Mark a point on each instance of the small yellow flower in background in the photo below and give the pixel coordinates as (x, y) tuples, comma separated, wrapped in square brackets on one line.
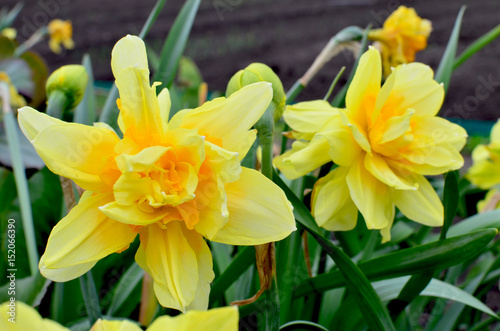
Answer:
[(60, 32), (218, 319), (25, 318), (485, 170), (384, 142), (16, 100), (403, 34), (10, 33), (173, 182)]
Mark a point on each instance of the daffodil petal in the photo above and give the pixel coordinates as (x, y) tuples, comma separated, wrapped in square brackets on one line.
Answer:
[(82, 238), (304, 157), (432, 159), (415, 88), (371, 196), (180, 263), (217, 319), (396, 126), (259, 211), (495, 133), (32, 122), (309, 116), (132, 213), (436, 130), (365, 84), (229, 119), (72, 150), (164, 103), (423, 205), (358, 134), (483, 172), (332, 205), (139, 107), (344, 149), (379, 168), (129, 52), (115, 325)]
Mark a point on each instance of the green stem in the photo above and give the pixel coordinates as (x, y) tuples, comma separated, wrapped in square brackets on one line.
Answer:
[(265, 128), (32, 41), (294, 92), (90, 297), (334, 83), (56, 104), (20, 177)]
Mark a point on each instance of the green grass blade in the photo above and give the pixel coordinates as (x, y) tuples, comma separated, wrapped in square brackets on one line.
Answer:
[(302, 325), (85, 111), (474, 223), (424, 258), (90, 297), (445, 69), (130, 279), (11, 130), (176, 41), (450, 201), (110, 111), (376, 315), (388, 289), (477, 45)]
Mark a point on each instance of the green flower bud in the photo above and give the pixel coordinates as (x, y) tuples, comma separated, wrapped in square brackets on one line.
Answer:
[(258, 72), (67, 84)]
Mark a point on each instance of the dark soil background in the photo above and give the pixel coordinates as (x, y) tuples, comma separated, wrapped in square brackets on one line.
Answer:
[(285, 34)]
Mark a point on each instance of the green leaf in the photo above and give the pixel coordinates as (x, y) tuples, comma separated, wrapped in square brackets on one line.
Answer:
[(388, 289), (85, 111), (445, 69), (7, 20), (477, 45), (90, 297), (130, 279), (450, 201), (110, 111), (490, 219), (242, 261), (176, 41), (424, 258), (376, 315)]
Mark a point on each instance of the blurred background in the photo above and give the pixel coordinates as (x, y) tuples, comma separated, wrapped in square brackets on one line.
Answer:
[(285, 34)]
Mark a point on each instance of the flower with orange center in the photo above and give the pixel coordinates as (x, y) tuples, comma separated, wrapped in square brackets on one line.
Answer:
[(384, 142), (173, 182), (403, 34), (60, 32)]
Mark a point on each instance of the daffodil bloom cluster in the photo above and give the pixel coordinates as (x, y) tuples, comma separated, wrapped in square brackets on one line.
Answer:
[(403, 34), (485, 170), (171, 182), (219, 319), (384, 142), (60, 32)]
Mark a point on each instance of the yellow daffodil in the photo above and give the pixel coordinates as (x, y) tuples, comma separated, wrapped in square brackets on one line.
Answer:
[(173, 182), (60, 32), (384, 142), (485, 170), (403, 34), (21, 317), (218, 319), (16, 100)]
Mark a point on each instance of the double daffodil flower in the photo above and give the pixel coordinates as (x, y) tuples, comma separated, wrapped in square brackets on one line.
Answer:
[(403, 34), (384, 142), (60, 32), (219, 319), (172, 182)]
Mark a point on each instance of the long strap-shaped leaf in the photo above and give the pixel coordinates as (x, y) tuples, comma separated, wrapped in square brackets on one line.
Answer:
[(429, 257), (445, 69), (376, 314), (174, 45)]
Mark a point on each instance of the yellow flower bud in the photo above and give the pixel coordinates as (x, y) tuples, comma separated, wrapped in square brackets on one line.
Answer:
[(71, 80), (258, 72)]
